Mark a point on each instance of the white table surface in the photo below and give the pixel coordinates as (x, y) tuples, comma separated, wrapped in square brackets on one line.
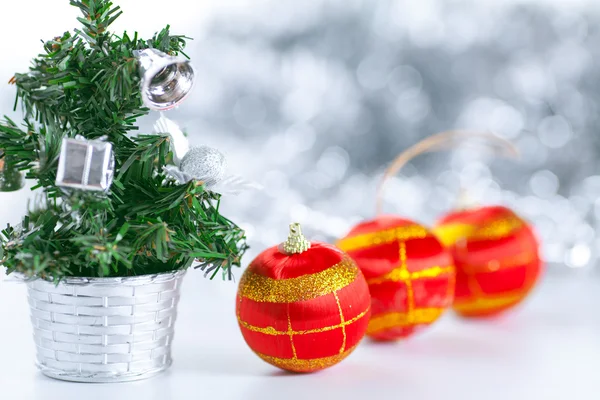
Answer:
[(548, 349)]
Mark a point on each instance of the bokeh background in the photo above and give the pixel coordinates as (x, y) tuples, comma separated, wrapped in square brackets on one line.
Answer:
[(313, 99)]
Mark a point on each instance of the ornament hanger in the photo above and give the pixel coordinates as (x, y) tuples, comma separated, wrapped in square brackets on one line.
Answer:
[(442, 141)]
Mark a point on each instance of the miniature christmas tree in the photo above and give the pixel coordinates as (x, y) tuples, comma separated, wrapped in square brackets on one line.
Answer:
[(81, 99)]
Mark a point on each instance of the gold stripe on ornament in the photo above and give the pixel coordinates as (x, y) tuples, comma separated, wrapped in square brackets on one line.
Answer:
[(267, 290), (450, 233), (501, 228), (296, 364), (337, 300), (410, 293), (290, 332), (269, 330), (391, 320), (489, 303), (497, 229), (368, 240), (401, 274)]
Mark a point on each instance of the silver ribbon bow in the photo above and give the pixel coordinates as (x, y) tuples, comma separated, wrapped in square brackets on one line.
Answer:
[(199, 163)]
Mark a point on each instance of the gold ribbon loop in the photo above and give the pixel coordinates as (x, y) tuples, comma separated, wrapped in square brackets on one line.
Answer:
[(438, 142)]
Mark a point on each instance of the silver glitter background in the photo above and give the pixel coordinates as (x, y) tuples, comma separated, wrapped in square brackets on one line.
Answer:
[(313, 99)]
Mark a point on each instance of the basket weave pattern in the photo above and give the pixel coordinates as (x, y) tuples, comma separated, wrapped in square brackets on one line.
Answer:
[(104, 329)]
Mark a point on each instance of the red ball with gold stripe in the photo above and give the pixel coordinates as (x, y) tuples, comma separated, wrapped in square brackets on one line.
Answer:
[(303, 306), (496, 255), (409, 273)]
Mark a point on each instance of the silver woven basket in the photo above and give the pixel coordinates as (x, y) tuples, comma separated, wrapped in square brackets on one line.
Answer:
[(104, 329)]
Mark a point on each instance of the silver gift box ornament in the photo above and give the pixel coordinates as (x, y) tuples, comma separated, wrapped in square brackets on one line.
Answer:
[(85, 164)]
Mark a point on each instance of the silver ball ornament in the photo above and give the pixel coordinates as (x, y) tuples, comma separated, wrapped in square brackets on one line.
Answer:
[(204, 164)]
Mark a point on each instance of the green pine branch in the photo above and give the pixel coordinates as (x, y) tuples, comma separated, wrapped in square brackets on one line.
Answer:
[(86, 82)]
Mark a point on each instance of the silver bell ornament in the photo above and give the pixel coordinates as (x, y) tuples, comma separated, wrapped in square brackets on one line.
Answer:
[(85, 164), (166, 80), (11, 179)]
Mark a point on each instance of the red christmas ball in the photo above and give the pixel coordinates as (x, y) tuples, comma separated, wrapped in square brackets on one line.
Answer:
[(496, 255), (303, 307), (409, 273)]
